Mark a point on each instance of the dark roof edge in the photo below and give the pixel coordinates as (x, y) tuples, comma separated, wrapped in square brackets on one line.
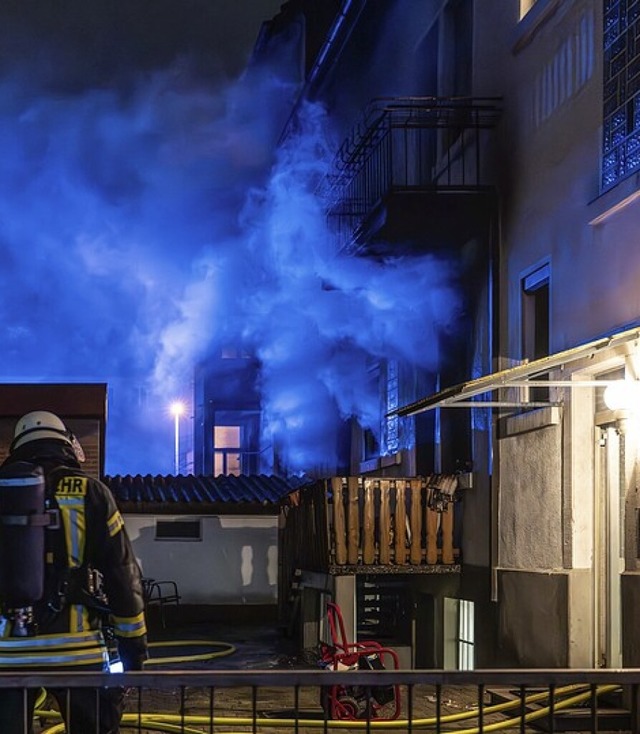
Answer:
[(197, 508)]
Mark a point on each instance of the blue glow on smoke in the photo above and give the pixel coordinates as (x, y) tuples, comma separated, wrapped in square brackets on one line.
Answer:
[(140, 232)]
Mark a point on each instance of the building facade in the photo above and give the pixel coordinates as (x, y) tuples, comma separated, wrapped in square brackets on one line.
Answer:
[(502, 134), (563, 463), (414, 181), (565, 507), (550, 533)]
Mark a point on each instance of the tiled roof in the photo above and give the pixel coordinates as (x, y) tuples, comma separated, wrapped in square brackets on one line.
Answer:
[(198, 493)]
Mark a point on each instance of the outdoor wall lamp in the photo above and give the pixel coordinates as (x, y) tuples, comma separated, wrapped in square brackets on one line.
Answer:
[(623, 395)]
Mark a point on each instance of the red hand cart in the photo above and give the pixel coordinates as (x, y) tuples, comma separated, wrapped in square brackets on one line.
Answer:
[(357, 702)]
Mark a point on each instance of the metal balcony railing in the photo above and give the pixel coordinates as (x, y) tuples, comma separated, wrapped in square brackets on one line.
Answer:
[(296, 700), (406, 144)]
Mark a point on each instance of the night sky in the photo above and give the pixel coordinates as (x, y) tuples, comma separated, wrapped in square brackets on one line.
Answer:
[(147, 220), (104, 43)]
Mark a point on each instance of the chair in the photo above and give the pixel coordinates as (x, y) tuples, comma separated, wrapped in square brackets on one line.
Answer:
[(160, 594), (357, 702)]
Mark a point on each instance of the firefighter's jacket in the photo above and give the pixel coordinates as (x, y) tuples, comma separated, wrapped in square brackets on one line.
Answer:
[(92, 536)]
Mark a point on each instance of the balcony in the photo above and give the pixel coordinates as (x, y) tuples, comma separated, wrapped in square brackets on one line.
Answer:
[(356, 525), (413, 170)]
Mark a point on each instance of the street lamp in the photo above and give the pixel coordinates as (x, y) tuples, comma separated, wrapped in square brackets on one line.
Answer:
[(176, 409)]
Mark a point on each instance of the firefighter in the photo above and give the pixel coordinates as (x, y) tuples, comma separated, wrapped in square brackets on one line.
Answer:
[(92, 584)]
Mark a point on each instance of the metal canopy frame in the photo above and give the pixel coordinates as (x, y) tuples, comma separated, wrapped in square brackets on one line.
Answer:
[(462, 394)]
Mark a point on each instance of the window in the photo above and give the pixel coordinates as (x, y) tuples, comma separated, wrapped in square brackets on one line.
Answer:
[(231, 351), (370, 440), (535, 322), (466, 635), (535, 314), (178, 530), (236, 442), (456, 70), (621, 92), (459, 634), (392, 422), (566, 70), (457, 48), (427, 62), (226, 451)]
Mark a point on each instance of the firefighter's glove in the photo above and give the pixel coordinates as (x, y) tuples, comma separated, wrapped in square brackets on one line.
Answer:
[(133, 652)]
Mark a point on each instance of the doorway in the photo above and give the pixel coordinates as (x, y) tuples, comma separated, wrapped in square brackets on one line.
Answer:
[(608, 549)]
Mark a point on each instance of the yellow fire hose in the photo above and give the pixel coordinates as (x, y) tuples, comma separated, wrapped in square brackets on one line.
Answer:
[(227, 649), (164, 722), (224, 649)]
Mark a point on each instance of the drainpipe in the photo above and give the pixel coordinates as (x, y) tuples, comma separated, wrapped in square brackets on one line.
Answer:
[(495, 247), (336, 39)]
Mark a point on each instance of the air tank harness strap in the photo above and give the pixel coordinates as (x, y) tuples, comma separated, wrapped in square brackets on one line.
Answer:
[(48, 519), (82, 585)]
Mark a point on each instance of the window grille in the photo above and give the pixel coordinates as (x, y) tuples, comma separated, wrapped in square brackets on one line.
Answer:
[(621, 93), (392, 395)]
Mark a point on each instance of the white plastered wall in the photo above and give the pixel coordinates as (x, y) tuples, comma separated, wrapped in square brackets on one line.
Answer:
[(235, 562)]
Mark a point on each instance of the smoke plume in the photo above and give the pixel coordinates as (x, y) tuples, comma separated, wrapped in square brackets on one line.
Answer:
[(141, 231)]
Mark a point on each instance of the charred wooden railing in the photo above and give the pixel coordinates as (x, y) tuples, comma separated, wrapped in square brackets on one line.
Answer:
[(366, 525), (402, 523)]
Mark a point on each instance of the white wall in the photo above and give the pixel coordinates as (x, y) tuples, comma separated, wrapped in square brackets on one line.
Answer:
[(235, 562), (530, 507)]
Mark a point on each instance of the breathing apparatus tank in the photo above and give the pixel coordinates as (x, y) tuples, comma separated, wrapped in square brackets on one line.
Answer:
[(23, 520)]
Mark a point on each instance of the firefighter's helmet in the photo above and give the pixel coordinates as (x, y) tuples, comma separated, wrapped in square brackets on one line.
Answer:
[(42, 424)]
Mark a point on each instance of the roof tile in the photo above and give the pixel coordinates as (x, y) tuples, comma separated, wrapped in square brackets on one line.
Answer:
[(190, 489)]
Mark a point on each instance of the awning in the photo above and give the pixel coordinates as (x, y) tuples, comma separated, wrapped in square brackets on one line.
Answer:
[(524, 375)]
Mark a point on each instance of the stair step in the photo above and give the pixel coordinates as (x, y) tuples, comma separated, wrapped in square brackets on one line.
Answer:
[(579, 718)]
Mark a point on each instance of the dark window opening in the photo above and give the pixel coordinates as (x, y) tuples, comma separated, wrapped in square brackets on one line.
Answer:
[(371, 435), (462, 21), (371, 445), (178, 530), (383, 610), (541, 322), (456, 70), (536, 317)]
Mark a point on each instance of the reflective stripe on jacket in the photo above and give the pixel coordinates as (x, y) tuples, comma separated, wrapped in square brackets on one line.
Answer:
[(80, 649)]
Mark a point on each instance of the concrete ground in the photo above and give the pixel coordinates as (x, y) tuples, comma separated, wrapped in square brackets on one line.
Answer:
[(257, 644), (261, 646), (264, 647)]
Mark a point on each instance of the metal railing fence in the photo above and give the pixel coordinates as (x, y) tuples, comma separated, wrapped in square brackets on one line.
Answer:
[(408, 144), (258, 701)]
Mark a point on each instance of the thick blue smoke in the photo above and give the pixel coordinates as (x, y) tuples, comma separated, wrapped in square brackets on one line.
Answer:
[(314, 317), (140, 232)]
